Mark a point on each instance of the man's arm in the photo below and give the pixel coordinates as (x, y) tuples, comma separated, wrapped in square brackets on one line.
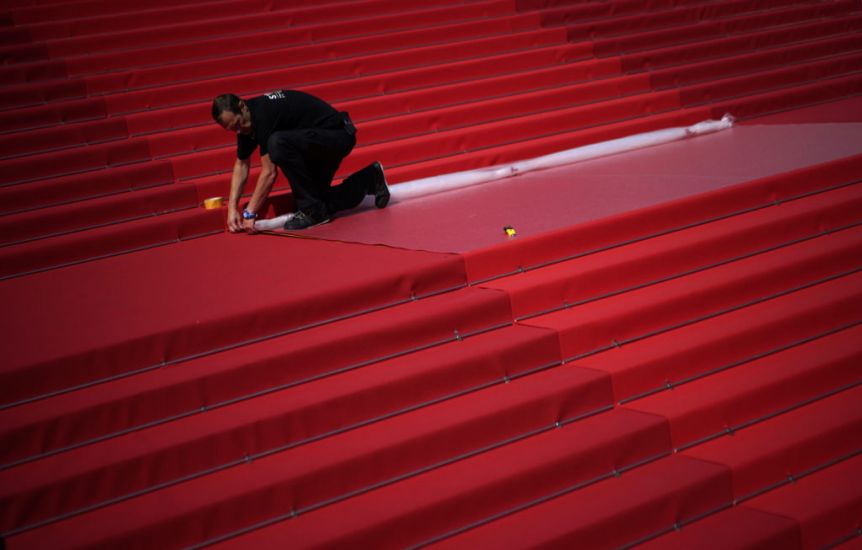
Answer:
[(265, 181), (237, 184)]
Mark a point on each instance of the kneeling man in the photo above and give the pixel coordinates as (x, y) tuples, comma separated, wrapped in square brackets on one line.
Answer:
[(307, 138)]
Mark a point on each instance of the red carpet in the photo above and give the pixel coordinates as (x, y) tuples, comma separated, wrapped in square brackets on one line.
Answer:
[(665, 356)]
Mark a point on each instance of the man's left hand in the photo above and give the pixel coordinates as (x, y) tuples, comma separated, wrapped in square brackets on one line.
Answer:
[(248, 226)]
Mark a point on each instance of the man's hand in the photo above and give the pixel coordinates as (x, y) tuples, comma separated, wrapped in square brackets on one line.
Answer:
[(248, 226), (234, 220)]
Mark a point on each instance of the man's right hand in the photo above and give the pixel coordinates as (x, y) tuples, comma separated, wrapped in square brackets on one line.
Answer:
[(234, 220)]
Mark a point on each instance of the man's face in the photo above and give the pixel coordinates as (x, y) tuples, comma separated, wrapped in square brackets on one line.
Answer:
[(238, 123)]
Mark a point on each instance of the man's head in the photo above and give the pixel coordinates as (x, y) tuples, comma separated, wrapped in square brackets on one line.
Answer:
[(232, 113)]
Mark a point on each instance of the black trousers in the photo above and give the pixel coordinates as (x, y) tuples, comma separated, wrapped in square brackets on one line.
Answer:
[(309, 159)]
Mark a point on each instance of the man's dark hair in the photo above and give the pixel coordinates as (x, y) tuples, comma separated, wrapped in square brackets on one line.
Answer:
[(226, 102)]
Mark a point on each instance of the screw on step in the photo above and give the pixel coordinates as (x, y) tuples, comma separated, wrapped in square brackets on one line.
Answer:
[(458, 336)]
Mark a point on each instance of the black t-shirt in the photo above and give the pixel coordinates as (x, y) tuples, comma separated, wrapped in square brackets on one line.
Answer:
[(284, 110)]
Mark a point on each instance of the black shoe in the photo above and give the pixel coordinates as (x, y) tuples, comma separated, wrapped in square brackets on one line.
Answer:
[(379, 188), (302, 220)]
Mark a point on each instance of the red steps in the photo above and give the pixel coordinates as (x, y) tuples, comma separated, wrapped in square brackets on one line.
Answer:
[(701, 349), (207, 323), (392, 104), (106, 241), (612, 512), (334, 467), (802, 385), (816, 511), (396, 360), (734, 529), (728, 400), (113, 154), (94, 213), (186, 167), (22, 12), (404, 378), (230, 68), (621, 319), (824, 504), (256, 427), (446, 499), (788, 445), (248, 24), (154, 56)]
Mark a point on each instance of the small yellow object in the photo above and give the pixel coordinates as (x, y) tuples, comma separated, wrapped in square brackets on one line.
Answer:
[(213, 202), (510, 231)]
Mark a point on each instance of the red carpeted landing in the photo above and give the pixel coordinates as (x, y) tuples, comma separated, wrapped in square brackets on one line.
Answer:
[(468, 219)]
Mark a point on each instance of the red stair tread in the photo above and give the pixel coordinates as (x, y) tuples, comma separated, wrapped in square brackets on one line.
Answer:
[(826, 504), (709, 406), (789, 444), (454, 496)]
